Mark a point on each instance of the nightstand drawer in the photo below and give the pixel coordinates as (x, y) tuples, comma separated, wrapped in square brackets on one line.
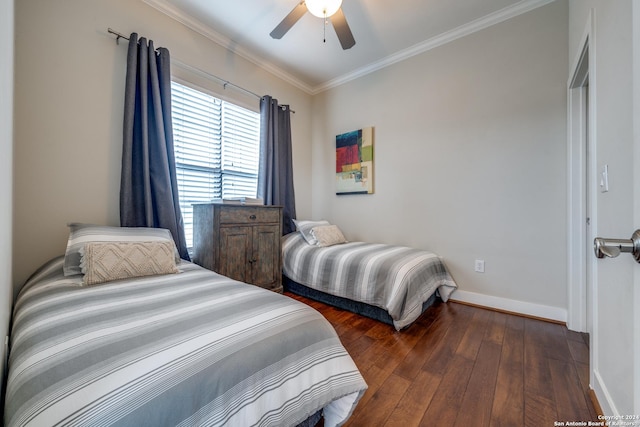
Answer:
[(248, 215)]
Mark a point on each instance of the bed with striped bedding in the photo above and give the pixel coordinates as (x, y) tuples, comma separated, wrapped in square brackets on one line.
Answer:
[(396, 279), (194, 348)]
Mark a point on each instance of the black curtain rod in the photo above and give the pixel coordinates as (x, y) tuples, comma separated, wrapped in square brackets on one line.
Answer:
[(225, 83)]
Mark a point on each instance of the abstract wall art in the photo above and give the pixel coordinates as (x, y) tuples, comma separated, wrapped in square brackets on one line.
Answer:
[(354, 162)]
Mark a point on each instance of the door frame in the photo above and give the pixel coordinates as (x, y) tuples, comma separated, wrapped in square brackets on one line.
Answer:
[(582, 315), (636, 179)]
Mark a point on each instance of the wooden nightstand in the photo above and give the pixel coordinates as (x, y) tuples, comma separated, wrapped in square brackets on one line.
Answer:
[(240, 241)]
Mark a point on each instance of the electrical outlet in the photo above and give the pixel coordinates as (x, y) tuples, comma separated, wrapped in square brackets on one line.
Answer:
[(479, 266)]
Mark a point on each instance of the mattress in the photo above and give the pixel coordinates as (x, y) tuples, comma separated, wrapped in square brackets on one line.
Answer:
[(194, 348), (397, 279)]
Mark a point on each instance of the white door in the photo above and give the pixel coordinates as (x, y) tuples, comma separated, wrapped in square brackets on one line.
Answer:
[(609, 307), (636, 198)]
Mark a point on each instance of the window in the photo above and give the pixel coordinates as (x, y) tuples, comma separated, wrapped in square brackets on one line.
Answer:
[(216, 146)]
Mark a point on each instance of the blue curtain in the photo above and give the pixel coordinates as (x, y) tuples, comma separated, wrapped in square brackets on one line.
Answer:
[(275, 176), (148, 185)]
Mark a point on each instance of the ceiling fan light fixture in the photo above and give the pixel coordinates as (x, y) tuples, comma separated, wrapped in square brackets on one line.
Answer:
[(323, 8)]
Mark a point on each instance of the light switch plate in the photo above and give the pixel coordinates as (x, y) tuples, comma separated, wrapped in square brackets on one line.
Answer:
[(604, 179)]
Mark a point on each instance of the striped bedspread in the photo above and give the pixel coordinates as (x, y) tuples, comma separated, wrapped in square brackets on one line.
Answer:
[(395, 278), (187, 349)]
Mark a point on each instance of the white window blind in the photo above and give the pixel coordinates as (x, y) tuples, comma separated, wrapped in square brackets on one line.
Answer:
[(216, 146)]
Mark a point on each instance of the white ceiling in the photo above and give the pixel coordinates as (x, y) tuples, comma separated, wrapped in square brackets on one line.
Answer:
[(385, 31)]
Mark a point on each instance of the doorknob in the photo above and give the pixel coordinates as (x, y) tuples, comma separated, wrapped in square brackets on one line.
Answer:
[(611, 248)]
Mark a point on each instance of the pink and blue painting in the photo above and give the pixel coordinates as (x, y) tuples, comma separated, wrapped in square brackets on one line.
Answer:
[(354, 162)]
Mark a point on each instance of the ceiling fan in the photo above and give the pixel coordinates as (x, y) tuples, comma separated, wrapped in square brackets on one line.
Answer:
[(326, 9)]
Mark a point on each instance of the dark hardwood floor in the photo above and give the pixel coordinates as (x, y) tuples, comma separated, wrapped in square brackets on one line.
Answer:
[(459, 365)]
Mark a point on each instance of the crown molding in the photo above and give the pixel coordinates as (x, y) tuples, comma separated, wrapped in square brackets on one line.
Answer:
[(204, 30), (432, 43)]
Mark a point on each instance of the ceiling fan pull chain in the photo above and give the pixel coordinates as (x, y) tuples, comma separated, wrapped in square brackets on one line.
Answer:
[(324, 28)]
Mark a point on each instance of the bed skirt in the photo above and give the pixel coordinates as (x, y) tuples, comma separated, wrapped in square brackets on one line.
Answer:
[(357, 307), (312, 421)]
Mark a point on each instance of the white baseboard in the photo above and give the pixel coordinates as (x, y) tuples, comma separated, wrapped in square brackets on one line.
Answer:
[(603, 396), (557, 314)]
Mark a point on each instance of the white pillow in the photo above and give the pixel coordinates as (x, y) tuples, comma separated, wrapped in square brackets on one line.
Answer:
[(81, 234), (107, 261), (305, 226), (328, 235)]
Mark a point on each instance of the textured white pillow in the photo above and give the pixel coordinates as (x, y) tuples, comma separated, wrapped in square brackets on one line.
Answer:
[(305, 226), (81, 234), (106, 261), (328, 235)]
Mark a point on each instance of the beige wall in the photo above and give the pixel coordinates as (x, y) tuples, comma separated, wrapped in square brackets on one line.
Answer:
[(69, 105), (470, 150), (470, 158), (6, 176), (613, 323)]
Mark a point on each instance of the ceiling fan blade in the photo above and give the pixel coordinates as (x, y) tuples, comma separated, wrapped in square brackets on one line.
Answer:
[(289, 20), (343, 31)]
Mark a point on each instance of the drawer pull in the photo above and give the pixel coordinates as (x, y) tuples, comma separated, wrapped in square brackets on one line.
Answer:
[(252, 217)]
